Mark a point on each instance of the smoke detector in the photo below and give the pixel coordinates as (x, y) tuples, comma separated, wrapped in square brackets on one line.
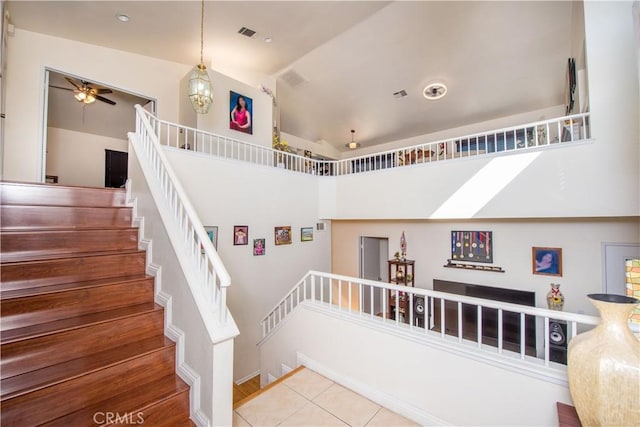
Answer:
[(434, 91)]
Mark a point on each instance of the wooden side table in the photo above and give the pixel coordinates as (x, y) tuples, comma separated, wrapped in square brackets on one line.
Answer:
[(567, 415)]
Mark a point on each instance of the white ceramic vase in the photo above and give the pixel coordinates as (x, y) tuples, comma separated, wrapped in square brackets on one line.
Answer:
[(604, 366)]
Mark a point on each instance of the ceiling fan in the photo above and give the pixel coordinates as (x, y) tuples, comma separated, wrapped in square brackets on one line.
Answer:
[(85, 93)]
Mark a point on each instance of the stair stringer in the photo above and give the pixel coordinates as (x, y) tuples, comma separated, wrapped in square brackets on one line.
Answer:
[(173, 332)]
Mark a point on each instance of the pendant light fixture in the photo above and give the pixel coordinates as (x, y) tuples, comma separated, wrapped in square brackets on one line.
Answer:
[(352, 145), (199, 83)]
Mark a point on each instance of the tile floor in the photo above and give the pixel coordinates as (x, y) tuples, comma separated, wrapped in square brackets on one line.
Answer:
[(311, 400)]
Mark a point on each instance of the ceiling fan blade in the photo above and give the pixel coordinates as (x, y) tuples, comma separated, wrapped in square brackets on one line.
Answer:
[(103, 99), (63, 88), (103, 91), (76, 85)]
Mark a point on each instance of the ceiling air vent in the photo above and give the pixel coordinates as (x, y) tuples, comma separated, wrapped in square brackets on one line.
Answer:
[(292, 78), (246, 32), (400, 94)]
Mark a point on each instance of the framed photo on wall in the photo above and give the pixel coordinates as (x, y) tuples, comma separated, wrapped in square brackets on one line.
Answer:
[(258, 247), (240, 235), (546, 261), (212, 232), (240, 113), (306, 234), (283, 235)]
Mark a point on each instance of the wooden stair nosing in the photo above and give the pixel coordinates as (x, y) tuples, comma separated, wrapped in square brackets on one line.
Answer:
[(48, 396), (37, 273), (16, 217), (57, 347), (6, 295), (29, 310), (28, 382), (14, 192), (133, 400), (72, 255), (41, 329), (20, 245)]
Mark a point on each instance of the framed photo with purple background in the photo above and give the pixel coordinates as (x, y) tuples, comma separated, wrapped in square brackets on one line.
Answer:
[(546, 261), (472, 246)]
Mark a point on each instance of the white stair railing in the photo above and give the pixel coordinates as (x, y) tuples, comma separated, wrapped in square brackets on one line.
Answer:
[(205, 272), (371, 300), (536, 135)]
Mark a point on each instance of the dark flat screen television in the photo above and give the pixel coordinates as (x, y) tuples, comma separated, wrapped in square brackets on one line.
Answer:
[(510, 321)]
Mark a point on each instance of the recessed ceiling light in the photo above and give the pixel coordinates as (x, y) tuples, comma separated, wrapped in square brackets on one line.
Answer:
[(122, 17), (268, 39), (434, 91)]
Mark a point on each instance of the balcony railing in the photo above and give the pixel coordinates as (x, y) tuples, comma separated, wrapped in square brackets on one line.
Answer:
[(394, 307), (536, 135)]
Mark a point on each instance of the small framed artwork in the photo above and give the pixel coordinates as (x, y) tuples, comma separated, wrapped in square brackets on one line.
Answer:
[(212, 232), (258, 247), (240, 113), (306, 234), (240, 235), (546, 261), (283, 235), (472, 246)]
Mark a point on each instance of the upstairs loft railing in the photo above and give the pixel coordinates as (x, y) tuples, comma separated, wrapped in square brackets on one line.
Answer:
[(203, 267), (495, 328), (536, 135)]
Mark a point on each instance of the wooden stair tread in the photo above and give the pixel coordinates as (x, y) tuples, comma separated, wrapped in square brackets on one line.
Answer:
[(8, 259), (24, 383), (86, 284), (12, 335), (133, 400)]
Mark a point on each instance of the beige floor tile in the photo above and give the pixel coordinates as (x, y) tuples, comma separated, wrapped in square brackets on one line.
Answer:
[(238, 421), (386, 418), (312, 416), (350, 407), (308, 383), (272, 407)]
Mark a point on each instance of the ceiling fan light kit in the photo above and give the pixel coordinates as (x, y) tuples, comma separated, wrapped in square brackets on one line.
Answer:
[(434, 91), (200, 93)]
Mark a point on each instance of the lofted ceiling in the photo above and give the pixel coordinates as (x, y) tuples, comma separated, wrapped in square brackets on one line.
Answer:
[(338, 63)]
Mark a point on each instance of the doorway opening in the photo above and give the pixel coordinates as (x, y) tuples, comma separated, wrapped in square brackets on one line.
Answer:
[(86, 125), (374, 254)]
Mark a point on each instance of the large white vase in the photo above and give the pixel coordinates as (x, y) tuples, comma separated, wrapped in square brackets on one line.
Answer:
[(604, 366)]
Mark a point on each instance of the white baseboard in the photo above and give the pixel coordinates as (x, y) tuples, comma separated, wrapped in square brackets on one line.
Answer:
[(184, 371), (247, 377), (270, 378), (381, 398), (284, 369)]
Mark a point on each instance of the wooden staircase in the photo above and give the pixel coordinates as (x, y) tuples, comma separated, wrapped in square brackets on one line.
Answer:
[(81, 340)]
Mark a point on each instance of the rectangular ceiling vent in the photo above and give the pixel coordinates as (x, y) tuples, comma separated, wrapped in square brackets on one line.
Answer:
[(292, 78), (400, 94), (246, 32)]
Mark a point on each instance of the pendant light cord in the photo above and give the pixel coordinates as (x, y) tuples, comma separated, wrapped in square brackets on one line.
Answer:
[(201, 31)]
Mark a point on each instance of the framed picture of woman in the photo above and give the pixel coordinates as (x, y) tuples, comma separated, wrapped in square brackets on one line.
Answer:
[(546, 261), (240, 113)]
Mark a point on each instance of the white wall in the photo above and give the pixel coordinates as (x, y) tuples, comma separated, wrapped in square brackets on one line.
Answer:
[(217, 119), (28, 55), (317, 148), (425, 383), (429, 242), (227, 193), (78, 158)]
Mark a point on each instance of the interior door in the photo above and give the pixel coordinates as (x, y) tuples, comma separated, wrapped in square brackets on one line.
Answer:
[(115, 168), (373, 266)]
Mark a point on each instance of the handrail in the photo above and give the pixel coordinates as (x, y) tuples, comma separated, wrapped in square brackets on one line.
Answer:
[(210, 278), (329, 291), (534, 135)]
